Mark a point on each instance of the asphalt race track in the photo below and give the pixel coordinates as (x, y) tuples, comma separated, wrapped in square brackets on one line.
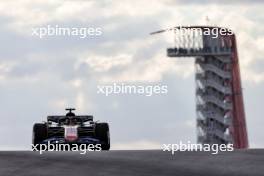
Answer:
[(134, 163)]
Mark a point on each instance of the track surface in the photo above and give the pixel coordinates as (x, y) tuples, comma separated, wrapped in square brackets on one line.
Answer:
[(134, 163)]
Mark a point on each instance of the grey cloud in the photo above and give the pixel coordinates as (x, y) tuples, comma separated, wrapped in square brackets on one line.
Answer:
[(220, 2)]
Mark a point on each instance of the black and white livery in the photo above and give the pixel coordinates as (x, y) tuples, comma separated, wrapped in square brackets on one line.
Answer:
[(72, 129)]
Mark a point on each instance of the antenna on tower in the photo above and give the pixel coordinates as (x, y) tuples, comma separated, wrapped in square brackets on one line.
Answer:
[(207, 20)]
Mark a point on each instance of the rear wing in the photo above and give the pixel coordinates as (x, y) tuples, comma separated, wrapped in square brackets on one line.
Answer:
[(56, 119)]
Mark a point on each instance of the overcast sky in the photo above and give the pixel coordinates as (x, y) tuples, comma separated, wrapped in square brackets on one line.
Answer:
[(40, 77)]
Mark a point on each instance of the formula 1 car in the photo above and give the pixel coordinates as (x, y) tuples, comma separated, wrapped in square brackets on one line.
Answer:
[(71, 129)]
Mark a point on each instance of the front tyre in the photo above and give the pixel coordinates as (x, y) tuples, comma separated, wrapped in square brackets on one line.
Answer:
[(39, 133), (102, 133)]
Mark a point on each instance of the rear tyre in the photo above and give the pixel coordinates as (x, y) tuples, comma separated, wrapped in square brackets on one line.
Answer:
[(39, 133), (102, 133)]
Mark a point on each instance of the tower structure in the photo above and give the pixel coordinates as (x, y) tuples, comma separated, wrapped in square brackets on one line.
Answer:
[(219, 99)]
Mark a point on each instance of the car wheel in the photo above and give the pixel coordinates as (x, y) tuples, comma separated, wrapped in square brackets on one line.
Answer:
[(39, 133), (102, 133)]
